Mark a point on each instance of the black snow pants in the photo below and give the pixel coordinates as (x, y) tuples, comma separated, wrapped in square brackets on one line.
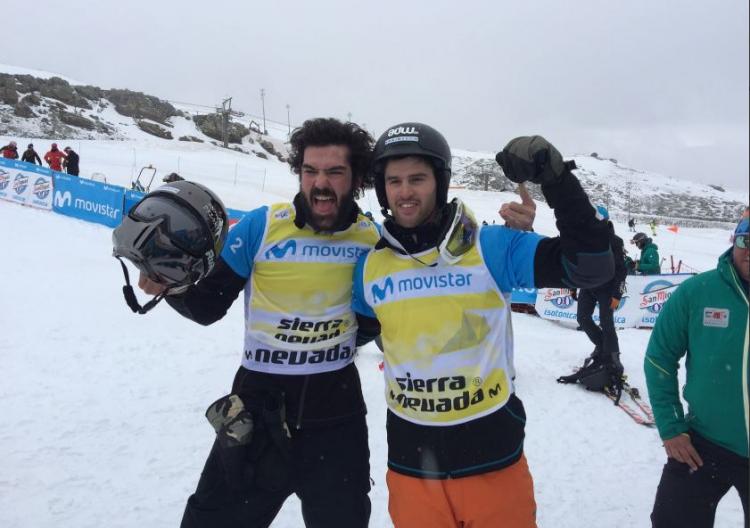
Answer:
[(604, 338), (327, 467), (690, 499)]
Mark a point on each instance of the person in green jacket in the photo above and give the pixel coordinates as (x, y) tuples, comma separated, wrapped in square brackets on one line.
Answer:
[(706, 319), (649, 263)]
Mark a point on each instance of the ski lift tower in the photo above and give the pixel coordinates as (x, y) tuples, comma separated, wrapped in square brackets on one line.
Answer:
[(225, 111)]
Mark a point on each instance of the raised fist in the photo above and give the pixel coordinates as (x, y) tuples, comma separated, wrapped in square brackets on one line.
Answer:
[(531, 158)]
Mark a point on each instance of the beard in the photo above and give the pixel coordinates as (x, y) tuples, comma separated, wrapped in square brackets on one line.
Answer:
[(343, 217)]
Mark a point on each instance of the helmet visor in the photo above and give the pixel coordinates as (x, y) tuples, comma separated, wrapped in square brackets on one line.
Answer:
[(153, 253), (183, 228)]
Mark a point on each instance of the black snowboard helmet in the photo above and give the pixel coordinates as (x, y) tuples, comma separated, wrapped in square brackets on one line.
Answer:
[(412, 139), (640, 240), (174, 234)]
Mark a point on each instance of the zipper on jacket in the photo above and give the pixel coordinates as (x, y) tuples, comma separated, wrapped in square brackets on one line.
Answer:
[(302, 395)]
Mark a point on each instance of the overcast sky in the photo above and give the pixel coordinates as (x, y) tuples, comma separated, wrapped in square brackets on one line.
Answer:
[(661, 85)]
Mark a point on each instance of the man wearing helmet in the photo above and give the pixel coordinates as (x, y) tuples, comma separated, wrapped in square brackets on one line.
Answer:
[(648, 263), (437, 284), (298, 381)]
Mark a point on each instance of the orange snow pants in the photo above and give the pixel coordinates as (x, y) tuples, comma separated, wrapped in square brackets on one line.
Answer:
[(499, 499)]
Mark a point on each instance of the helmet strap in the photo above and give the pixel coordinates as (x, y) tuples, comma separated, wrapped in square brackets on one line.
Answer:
[(131, 299)]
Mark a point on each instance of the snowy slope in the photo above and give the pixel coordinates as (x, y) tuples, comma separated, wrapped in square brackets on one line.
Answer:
[(103, 410)]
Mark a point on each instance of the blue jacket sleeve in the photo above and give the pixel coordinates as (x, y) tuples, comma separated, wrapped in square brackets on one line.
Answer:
[(243, 241), (509, 255)]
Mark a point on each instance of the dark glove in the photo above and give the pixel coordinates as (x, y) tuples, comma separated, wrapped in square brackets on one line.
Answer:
[(531, 158), (231, 421)]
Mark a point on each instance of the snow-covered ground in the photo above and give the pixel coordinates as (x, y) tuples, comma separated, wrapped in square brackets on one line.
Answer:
[(103, 410)]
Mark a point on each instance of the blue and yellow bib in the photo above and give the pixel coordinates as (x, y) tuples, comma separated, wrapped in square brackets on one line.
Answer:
[(446, 336), (298, 316)]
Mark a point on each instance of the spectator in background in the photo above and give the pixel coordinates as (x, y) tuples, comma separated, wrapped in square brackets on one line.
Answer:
[(649, 263), (652, 225), (705, 320), (71, 161), (631, 225), (10, 150), (54, 158), (602, 369), (30, 155)]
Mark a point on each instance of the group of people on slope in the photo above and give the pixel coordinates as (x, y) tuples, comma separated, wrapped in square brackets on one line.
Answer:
[(66, 160), (430, 283)]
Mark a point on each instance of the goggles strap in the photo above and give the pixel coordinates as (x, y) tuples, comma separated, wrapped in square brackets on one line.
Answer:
[(131, 299)]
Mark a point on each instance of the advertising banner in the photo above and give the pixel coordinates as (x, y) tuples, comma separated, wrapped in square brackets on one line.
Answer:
[(25, 183), (639, 307), (131, 198), (88, 200), (652, 292), (523, 296)]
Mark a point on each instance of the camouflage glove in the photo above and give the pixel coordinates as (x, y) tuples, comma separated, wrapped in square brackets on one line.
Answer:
[(531, 158), (231, 421)]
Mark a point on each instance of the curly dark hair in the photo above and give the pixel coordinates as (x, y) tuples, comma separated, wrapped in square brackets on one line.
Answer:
[(324, 131)]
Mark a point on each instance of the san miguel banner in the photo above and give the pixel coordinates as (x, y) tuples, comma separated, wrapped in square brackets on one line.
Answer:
[(639, 307), (25, 183), (653, 292)]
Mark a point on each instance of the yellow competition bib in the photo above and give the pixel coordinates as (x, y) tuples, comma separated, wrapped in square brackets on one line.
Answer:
[(298, 315), (446, 335)]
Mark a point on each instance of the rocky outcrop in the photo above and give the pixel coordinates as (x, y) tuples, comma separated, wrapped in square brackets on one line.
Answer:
[(76, 120), (190, 138), (141, 106), (31, 100), (23, 110), (92, 93), (8, 94), (154, 129), (211, 125), (61, 90)]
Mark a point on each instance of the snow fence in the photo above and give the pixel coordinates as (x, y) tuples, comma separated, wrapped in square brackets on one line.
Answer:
[(88, 200)]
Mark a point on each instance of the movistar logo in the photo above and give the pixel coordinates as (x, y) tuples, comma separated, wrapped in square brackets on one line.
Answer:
[(410, 286), (279, 251), (62, 199), (378, 293)]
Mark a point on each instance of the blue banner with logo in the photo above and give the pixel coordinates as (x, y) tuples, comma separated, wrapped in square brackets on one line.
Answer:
[(523, 296), (25, 183), (131, 198), (88, 200)]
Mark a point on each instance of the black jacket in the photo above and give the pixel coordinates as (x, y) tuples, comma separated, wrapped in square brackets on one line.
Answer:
[(616, 287), (30, 156), (71, 162)]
